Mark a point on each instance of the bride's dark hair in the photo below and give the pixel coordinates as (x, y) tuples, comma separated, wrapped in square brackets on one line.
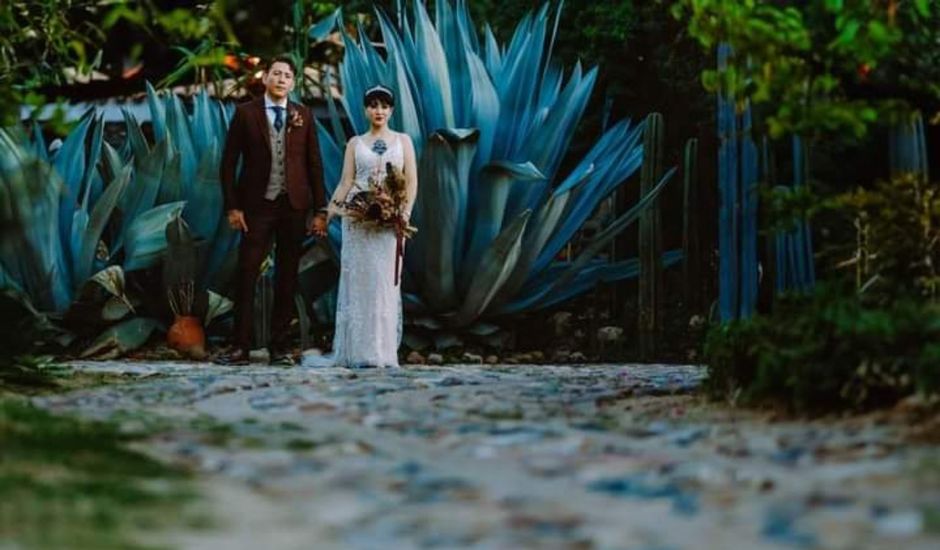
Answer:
[(378, 94)]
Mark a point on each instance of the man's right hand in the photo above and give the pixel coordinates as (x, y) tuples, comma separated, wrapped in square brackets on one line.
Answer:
[(236, 220)]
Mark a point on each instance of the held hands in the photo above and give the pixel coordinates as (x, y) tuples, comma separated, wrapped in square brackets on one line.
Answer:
[(236, 220), (318, 225), (332, 211)]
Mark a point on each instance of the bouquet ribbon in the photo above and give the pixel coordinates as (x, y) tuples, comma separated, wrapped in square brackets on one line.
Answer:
[(401, 233), (399, 252)]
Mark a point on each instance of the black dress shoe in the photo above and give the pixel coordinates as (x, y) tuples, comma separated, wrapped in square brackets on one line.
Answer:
[(235, 357)]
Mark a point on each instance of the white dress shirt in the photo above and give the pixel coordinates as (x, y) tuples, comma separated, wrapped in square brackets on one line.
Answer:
[(268, 103)]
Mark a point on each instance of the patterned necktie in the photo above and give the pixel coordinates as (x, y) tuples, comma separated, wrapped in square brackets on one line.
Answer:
[(278, 117)]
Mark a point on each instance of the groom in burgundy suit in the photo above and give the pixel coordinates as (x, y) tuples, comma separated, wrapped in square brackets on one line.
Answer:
[(280, 185)]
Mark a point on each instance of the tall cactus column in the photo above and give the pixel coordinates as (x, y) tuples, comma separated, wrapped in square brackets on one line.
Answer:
[(908, 148), (794, 268), (691, 247), (738, 200), (650, 241)]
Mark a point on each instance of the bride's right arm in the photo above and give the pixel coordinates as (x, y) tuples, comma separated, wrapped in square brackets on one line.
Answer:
[(345, 182)]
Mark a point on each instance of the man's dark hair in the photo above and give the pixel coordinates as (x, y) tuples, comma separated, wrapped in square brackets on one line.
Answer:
[(282, 58)]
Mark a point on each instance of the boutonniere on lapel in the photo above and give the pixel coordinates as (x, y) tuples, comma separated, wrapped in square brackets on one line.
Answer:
[(294, 119)]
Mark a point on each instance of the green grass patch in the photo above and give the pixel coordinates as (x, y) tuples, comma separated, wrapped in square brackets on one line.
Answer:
[(69, 483), (301, 445), (39, 375)]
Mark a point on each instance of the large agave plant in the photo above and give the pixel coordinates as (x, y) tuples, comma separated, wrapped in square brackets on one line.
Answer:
[(66, 230), (55, 211), (491, 124), (93, 225), (182, 168)]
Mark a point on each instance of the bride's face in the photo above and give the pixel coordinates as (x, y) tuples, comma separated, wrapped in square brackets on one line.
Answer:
[(378, 113)]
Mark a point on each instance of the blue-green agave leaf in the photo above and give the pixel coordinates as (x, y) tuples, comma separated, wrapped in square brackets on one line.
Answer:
[(466, 26), (97, 222), (91, 164), (493, 271), (177, 123), (220, 262), (40, 149), (489, 203), (406, 113), (146, 237), (442, 194), (357, 77), (336, 125), (493, 53), (204, 133), (536, 235), (122, 338), (432, 74), (484, 107), (603, 239), (171, 185), (157, 114), (69, 162), (141, 195), (458, 70), (601, 179), (204, 205), (409, 114), (32, 252), (115, 309), (113, 161), (79, 226), (332, 157), (322, 28), (218, 306), (136, 145)]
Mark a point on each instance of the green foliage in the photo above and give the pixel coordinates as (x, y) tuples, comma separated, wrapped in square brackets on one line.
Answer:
[(26, 371), (849, 346), (596, 30), (828, 67), (41, 44), (898, 248), (47, 43), (783, 208), (828, 351), (40, 38), (71, 483)]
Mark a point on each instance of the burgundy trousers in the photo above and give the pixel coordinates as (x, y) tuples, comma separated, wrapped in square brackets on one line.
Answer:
[(274, 221)]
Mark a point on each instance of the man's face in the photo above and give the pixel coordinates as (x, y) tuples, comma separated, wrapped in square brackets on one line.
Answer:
[(278, 80)]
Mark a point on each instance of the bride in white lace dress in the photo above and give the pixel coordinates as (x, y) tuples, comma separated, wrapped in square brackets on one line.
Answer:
[(368, 308)]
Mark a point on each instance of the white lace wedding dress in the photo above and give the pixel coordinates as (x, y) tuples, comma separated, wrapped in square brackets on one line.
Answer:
[(368, 306)]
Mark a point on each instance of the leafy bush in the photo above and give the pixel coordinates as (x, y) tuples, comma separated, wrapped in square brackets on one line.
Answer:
[(828, 351), (845, 346), (898, 250)]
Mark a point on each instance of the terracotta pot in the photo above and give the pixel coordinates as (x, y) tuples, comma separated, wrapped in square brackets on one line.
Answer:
[(187, 336)]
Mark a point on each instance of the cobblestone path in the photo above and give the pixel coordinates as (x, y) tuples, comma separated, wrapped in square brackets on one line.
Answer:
[(510, 457)]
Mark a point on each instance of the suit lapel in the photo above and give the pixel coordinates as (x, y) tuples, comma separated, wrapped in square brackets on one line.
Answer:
[(291, 110), (261, 120)]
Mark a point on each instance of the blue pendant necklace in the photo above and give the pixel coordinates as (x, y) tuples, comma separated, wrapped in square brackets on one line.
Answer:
[(379, 147)]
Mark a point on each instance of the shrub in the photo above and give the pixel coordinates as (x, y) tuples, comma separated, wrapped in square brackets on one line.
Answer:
[(827, 351)]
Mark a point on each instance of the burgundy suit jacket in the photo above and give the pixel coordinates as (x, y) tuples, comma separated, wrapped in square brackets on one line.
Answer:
[(248, 138)]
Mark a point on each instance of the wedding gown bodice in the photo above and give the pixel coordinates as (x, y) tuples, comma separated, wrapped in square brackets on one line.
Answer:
[(370, 164)]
